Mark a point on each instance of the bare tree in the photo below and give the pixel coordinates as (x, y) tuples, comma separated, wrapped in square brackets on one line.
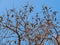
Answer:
[(35, 29), (15, 22), (44, 28)]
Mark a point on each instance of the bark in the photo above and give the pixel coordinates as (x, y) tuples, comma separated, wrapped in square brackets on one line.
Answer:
[(58, 41), (29, 43), (19, 41)]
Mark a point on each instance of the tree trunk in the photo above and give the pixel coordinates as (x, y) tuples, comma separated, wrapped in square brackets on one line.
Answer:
[(58, 40), (29, 41), (19, 41)]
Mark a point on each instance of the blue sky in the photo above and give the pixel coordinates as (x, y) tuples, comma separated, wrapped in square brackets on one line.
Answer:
[(18, 4), (37, 3)]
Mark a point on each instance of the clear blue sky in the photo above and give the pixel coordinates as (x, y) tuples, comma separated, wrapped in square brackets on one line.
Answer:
[(18, 4)]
